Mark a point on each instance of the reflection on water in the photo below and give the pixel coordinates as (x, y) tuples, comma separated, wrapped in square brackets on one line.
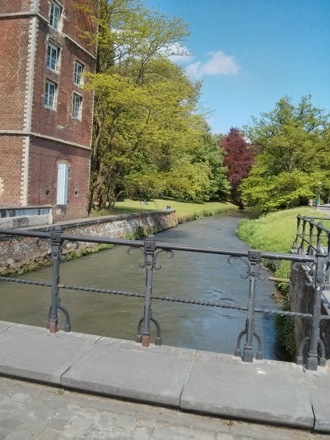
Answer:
[(192, 276)]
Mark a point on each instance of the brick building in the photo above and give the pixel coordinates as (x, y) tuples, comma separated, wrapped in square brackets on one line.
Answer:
[(45, 114)]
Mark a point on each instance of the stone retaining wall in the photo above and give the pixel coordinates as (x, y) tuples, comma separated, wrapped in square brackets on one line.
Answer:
[(22, 253), (301, 297)]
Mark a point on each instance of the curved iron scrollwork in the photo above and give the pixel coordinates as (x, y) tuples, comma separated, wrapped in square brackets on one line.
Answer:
[(150, 255), (253, 264), (305, 343), (253, 269), (57, 245), (74, 245), (144, 264), (139, 336), (243, 276)]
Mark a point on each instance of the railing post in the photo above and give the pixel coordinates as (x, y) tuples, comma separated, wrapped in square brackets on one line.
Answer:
[(296, 246), (310, 242), (303, 234), (149, 251), (313, 358), (326, 279), (249, 332), (56, 242), (254, 260), (318, 242)]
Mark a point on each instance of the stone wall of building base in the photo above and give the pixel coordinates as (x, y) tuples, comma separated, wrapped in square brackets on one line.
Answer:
[(25, 217), (20, 254)]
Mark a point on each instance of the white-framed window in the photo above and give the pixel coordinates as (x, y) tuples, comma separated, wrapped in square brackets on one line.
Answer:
[(76, 106), (55, 15), (53, 56), (62, 184), (78, 73), (50, 94)]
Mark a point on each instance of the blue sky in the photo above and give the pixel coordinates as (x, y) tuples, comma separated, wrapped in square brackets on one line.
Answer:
[(251, 53)]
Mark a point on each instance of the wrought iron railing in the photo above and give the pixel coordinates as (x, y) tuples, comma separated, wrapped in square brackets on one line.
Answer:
[(150, 248), (312, 237)]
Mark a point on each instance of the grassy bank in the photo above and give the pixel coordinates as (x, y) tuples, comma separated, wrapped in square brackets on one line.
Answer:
[(184, 211), (275, 232)]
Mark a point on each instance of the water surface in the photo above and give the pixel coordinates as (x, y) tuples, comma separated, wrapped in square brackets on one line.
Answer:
[(191, 276)]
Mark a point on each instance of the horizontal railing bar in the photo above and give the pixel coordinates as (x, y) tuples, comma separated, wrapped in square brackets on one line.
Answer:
[(18, 232), (311, 218), (163, 246)]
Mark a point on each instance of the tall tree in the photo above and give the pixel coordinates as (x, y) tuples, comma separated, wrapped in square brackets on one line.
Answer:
[(130, 39), (147, 127), (210, 154), (239, 158), (293, 145)]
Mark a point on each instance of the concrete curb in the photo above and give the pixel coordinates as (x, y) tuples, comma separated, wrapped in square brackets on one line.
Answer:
[(266, 391)]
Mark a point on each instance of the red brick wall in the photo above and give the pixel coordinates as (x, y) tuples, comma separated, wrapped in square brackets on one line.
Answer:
[(13, 63), (44, 158), (59, 123), (12, 6), (10, 170), (78, 18), (78, 21)]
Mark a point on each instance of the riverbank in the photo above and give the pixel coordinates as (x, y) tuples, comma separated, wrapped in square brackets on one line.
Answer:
[(275, 232), (130, 220), (185, 211), (23, 254)]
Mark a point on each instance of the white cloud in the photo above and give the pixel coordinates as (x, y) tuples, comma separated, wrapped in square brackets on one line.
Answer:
[(177, 53), (218, 64), (181, 59)]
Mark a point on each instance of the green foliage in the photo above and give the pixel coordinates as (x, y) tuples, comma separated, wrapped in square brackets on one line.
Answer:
[(293, 145), (188, 181), (149, 137), (286, 190)]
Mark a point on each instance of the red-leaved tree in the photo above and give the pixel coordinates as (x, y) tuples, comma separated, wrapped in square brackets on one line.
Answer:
[(239, 158)]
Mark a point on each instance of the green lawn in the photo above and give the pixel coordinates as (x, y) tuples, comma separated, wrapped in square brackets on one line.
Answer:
[(184, 211), (276, 232)]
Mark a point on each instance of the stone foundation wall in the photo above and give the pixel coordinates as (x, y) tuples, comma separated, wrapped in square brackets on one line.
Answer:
[(25, 217), (22, 253)]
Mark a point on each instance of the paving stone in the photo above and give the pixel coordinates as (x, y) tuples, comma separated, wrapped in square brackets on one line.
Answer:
[(67, 415)]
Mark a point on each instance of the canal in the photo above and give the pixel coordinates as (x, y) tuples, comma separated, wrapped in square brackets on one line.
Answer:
[(187, 275)]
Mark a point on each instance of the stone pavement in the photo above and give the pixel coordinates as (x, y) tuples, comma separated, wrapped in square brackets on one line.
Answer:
[(30, 411), (213, 384)]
